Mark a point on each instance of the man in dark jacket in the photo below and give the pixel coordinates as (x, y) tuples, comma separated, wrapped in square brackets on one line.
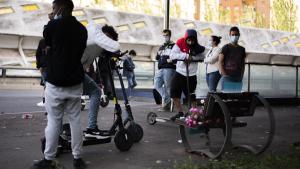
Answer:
[(163, 78), (66, 38)]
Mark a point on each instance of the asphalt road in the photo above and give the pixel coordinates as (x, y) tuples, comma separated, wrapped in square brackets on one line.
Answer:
[(160, 147)]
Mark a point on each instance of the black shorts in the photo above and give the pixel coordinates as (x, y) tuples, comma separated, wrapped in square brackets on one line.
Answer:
[(179, 85)]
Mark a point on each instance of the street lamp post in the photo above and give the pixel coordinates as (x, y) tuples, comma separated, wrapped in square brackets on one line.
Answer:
[(167, 15)]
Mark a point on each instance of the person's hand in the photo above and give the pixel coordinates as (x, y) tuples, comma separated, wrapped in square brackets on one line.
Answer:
[(41, 69), (169, 60), (223, 73)]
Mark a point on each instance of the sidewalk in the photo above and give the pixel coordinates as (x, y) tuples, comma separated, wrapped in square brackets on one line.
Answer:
[(159, 148)]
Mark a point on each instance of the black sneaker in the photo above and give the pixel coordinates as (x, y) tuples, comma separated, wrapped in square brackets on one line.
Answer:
[(79, 164), (96, 133), (177, 116), (43, 164)]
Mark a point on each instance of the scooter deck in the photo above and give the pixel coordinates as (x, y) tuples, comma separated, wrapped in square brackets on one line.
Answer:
[(94, 141)]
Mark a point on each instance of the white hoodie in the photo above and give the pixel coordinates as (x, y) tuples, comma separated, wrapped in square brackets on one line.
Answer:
[(97, 42), (177, 54)]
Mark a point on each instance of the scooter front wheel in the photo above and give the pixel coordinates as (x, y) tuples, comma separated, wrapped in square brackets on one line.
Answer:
[(104, 101), (123, 140), (136, 131), (151, 118)]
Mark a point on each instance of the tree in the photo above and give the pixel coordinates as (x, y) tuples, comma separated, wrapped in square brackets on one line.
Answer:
[(224, 15), (284, 15)]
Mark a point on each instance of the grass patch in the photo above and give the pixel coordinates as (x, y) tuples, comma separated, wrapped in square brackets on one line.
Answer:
[(290, 160)]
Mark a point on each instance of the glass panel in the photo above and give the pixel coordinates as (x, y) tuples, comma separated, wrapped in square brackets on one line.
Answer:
[(144, 75), (273, 80)]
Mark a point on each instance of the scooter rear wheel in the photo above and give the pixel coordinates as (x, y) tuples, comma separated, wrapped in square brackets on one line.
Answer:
[(136, 131), (82, 104), (123, 140)]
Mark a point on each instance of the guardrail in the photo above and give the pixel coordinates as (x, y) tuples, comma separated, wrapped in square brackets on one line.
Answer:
[(148, 76)]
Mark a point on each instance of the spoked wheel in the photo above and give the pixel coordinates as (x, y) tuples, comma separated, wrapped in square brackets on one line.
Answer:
[(212, 137), (104, 101), (123, 140), (151, 118), (260, 127), (136, 131)]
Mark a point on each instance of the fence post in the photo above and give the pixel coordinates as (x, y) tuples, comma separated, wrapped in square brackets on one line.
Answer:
[(3, 75), (249, 65), (297, 73)]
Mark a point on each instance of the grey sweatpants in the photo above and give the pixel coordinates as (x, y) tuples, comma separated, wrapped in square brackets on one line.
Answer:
[(57, 101)]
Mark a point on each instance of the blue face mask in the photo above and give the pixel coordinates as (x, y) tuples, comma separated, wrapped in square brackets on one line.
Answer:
[(234, 39)]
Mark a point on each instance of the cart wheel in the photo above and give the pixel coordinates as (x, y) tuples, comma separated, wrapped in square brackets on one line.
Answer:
[(104, 101), (210, 139), (123, 140), (136, 131), (82, 104), (151, 118)]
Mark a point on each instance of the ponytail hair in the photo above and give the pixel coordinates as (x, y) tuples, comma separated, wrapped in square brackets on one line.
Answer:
[(216, 39)]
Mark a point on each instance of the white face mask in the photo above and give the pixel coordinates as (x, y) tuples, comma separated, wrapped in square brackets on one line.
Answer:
[(167, 38), (210, 42), (58, 16), (234, 39)]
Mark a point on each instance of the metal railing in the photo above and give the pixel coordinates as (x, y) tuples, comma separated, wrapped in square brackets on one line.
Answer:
[(146, 71)]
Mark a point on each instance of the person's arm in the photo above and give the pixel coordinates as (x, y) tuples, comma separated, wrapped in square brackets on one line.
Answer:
[(38, 55), (176, 54), (214, 58), (102, 40), (243, 63), (221, 64), (48, 33)]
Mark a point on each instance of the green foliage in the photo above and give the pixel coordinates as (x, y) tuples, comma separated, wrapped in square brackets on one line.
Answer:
[(284, 15)]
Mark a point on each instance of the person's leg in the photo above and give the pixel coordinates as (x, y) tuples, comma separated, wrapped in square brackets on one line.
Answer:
[(130, 84), (159, 82), (167, 78), (72, 107), (55, 108), (92, 89), (207, 80), (133, 80), (192, 88), (213, 80), (176, 90)]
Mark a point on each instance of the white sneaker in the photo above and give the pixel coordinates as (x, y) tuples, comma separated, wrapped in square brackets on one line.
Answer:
[(41, 104)]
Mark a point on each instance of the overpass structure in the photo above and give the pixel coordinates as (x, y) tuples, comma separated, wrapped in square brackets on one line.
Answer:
[(21, 26)]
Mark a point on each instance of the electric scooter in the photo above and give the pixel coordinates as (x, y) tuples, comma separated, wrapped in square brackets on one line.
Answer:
[(125, 134)]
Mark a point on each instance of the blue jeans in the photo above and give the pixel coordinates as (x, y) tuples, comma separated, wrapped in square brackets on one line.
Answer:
[(162, 83), (231, 84), (131, 82), (93, 90), (212, 80)]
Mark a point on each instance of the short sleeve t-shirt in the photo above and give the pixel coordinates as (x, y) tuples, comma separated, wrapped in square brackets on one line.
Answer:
[(234, 59)]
